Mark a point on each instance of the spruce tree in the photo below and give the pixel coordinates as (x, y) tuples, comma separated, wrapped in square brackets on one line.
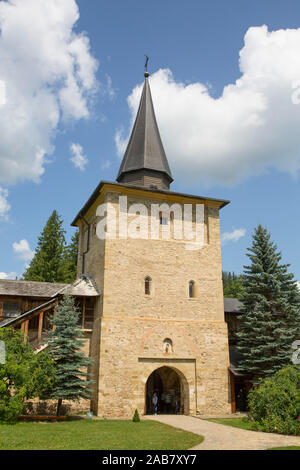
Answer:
[(232, 284), (271, 306), (66, 343), (46, 265), (69, 260)]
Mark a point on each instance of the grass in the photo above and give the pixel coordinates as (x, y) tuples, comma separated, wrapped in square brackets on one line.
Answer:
[(285, 448), (95, 435), (241, 423)]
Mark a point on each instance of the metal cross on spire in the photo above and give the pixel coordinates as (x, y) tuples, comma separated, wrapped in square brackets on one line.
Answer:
[(146, 66)]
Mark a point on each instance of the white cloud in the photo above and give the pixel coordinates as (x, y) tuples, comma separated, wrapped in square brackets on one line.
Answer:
[(110, 90), (254, 124), (120, 140), (79, 160), (4, 205), (8, 276), (106, 164), (22, 249), (49, 76), (233, 236), (298, 285)]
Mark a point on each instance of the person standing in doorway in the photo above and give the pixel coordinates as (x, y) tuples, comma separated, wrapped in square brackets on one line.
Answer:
[(155, 403), (177, 405)]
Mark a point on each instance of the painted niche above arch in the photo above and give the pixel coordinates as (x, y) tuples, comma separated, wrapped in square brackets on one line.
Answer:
[(167, 346)]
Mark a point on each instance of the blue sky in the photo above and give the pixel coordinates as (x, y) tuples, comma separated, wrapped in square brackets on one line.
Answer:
[(240, 145)]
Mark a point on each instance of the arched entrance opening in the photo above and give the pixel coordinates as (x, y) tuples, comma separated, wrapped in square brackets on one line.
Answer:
[(171, 388)]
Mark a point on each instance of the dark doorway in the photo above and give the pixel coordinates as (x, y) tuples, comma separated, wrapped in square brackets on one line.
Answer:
[(240, 396), (166, 383)]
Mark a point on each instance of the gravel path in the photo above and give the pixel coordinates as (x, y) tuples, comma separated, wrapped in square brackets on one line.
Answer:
[(221, 437)]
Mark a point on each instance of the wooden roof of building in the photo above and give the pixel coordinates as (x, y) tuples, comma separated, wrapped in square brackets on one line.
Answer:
[(29, 288), (232, 305), (85, 286)]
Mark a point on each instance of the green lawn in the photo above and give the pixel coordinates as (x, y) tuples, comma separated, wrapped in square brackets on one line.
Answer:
[(241, 423), (95, 435), (285, 448)]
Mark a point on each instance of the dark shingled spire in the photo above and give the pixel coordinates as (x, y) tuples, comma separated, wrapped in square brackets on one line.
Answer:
[(145, 162)]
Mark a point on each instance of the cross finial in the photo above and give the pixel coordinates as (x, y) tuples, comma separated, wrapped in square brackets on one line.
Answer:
[(146, 74)]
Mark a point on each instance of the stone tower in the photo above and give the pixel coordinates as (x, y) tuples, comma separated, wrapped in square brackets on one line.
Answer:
[(159, 323)]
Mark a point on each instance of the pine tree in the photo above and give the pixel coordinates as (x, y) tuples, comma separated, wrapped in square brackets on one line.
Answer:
[(66, 349), (232, 284), (69, 260), (46, 265), (271, 310), (136, 417)]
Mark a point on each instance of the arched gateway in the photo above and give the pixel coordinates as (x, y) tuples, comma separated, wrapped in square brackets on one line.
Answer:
[(172, 389)]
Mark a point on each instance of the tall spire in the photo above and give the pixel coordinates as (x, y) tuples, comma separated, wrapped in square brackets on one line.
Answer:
[(145, 162)]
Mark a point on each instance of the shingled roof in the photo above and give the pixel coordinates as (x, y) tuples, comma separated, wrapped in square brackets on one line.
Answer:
[(232, 305), (145, 150), (84, 286), (29, 288)]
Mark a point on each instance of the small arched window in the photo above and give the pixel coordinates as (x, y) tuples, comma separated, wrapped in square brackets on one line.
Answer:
[(148, 282), (191, 289)]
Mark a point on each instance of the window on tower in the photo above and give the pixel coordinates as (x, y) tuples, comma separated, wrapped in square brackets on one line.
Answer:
[(148, 282), (191, 289)]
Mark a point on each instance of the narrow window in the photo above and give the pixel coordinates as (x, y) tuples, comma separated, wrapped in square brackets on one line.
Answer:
[(191, 289), (147, 285)]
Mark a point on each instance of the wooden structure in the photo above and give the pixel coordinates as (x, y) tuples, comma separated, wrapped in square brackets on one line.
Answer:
[(240, 384), (28, 306)]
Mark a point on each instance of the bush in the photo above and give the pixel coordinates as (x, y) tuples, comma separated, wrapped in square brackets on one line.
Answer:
[(136, 417), (24, 375), (275, 403), (10, 410)]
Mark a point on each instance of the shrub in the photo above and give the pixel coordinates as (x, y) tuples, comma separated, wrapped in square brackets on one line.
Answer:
[(10, 410), (136, 417), (24, 375), (275, 403)]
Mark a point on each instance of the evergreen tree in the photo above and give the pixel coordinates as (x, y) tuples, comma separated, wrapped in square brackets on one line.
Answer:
[(136, 417), (271, 310), (46, 265), (69, 261), (66, 350), (232, 285)]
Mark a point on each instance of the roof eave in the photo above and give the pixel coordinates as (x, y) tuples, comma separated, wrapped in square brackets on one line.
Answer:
[(96, 192)]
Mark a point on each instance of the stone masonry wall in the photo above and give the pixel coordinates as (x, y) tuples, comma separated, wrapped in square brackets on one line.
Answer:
[(130, 327)]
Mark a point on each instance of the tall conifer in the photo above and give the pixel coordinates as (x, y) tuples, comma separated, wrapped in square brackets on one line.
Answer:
[(46, 263), (271, 310), (66, 343), (69, 260)]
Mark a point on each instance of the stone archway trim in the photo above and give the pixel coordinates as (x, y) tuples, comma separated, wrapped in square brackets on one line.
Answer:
[(187, 377)]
